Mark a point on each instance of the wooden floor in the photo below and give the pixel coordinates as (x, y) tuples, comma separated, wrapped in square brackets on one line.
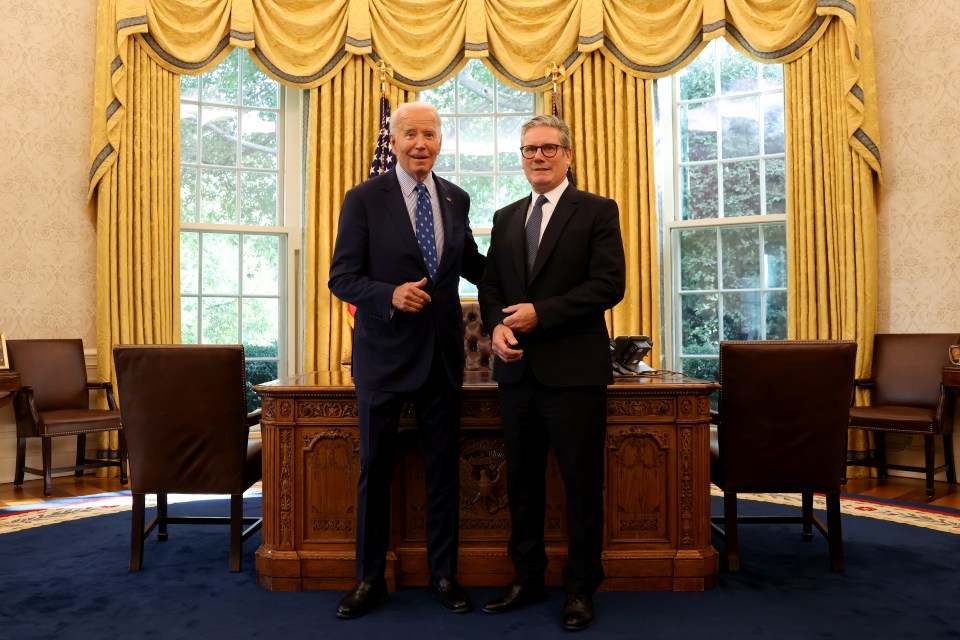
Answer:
[(905, 489)]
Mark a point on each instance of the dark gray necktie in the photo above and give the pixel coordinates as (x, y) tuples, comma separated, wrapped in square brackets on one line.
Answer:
[(426, 237), (533, 231)]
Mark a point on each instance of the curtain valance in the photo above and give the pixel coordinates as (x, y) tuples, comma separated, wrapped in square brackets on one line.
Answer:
[(304, 43)]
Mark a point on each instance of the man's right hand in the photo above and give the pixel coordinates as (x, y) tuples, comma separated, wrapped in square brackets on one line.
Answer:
[(410, 296), (504, 343)]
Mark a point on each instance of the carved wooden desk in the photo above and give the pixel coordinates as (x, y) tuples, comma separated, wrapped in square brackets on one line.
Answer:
[(657, 488)]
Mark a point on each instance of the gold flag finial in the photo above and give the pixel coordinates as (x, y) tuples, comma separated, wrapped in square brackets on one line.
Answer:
[(556, 71), (384, 71)]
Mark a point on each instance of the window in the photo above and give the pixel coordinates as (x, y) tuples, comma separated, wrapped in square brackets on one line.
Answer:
[(723, 199), (481, 144), (234, 242)]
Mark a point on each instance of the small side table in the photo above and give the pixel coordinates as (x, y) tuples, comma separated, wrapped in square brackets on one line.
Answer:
[(9, 384), (950, 376)]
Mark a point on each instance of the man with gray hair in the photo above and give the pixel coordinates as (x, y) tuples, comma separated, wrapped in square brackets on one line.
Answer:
[(403, 242), (555, 265)]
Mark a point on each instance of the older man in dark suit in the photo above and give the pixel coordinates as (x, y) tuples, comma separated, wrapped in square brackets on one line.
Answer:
[(403, 242), (555, 265)]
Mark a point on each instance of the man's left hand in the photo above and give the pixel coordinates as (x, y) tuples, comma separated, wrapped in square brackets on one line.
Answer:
[(522, 319)]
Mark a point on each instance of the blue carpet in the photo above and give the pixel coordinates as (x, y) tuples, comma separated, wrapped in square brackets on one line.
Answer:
[(71, 581)]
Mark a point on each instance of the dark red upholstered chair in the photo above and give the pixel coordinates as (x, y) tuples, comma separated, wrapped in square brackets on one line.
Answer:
[(907, 396), (54, 401), (184, 410), (782, 428), (477, 349)]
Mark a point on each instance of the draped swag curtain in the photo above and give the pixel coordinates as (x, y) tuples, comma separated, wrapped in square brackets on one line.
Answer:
[(609, 50)]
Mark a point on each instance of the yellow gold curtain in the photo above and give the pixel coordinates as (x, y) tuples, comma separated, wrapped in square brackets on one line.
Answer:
[(611, 122), (342, 132), (136, 207), (832, 226)]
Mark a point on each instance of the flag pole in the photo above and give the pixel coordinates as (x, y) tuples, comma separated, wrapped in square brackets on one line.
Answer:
[(556, 72)]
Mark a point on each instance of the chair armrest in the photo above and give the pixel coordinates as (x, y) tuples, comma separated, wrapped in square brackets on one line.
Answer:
[(714, 417), (104, 386), (25, 406), (253, 418)]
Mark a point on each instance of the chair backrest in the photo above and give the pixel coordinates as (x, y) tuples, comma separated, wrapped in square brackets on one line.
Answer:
[(907, 368), (784, 407), (477, 347), (183, 409), (55, 369)]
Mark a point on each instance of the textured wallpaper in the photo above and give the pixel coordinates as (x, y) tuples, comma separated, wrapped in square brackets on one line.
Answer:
[(47, 239)]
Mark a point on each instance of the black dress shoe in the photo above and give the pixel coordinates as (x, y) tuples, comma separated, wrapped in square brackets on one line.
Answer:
[(577, 612), (450, 595), (362, 599), (516, 595)]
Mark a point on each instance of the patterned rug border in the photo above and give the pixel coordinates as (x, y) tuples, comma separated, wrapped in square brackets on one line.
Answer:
[(29, 516)]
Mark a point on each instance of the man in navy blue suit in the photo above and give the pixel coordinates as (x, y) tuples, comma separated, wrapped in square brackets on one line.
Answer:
[(555, 265), (403, 242)]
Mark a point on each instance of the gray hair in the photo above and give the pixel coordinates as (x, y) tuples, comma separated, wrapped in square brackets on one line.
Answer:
[(548, 121), (406, 106)]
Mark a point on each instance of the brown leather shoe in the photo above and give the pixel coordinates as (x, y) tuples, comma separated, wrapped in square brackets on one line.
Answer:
[(362, 599), (516, 595), (450, 595), (577, 612)]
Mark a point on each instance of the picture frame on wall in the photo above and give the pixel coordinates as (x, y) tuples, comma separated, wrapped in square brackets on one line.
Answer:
[(4, 361)]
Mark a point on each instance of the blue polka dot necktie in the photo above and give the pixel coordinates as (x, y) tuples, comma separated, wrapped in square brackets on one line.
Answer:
[(532, 231), (426, 237)]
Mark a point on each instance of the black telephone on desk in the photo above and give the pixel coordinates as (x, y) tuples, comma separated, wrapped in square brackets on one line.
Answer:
[(627, 353)]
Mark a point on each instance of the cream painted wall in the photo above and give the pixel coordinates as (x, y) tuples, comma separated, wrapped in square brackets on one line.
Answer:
[(47, 238)]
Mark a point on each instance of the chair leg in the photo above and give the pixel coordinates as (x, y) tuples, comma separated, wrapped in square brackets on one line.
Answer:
[(948, 458), (162, 533), (236, 531), (806, 501), (929, 461), (834, 532), (123, 457), (731, 535), (880, 453), (136, 531), (47, 455), (81, 453), (21, 461)]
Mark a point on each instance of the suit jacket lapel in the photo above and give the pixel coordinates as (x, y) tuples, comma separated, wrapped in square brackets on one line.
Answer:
[(515, 232), (449, 230), (562, 213), (395, 209)]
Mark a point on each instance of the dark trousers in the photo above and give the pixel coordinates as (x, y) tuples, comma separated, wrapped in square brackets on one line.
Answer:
[(437, 407), (573, 421)]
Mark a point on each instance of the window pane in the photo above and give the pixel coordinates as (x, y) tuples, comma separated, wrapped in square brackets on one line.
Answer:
[(261, 324), (775, 255), (189, 87), (508, 143), (221, 84), (218, 196), (740, 120), (220, 321), (261, 265), (259, 148), (188, 132), (444, 97), (698, 192), (741, 189), (702, 368), (218, 141), (511, 100), (510, 188), (776, 184), (698, 259), (259, 90), (697, 78), (776, 312), (774, 137), (772, 76), (738, 73), (258, 198), (189, 262), (482, 200), (700, 323), (476, 85), (741, 257), (188, 194), (698, 132), (476, 144), (741, 316), (189, 319), (221, 264), (447, 158), (258, 372)]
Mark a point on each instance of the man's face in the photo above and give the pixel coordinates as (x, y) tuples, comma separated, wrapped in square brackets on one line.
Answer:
[(545, 173), (417, 141)]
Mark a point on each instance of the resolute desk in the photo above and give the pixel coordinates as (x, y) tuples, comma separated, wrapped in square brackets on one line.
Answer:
[(657, 488)]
